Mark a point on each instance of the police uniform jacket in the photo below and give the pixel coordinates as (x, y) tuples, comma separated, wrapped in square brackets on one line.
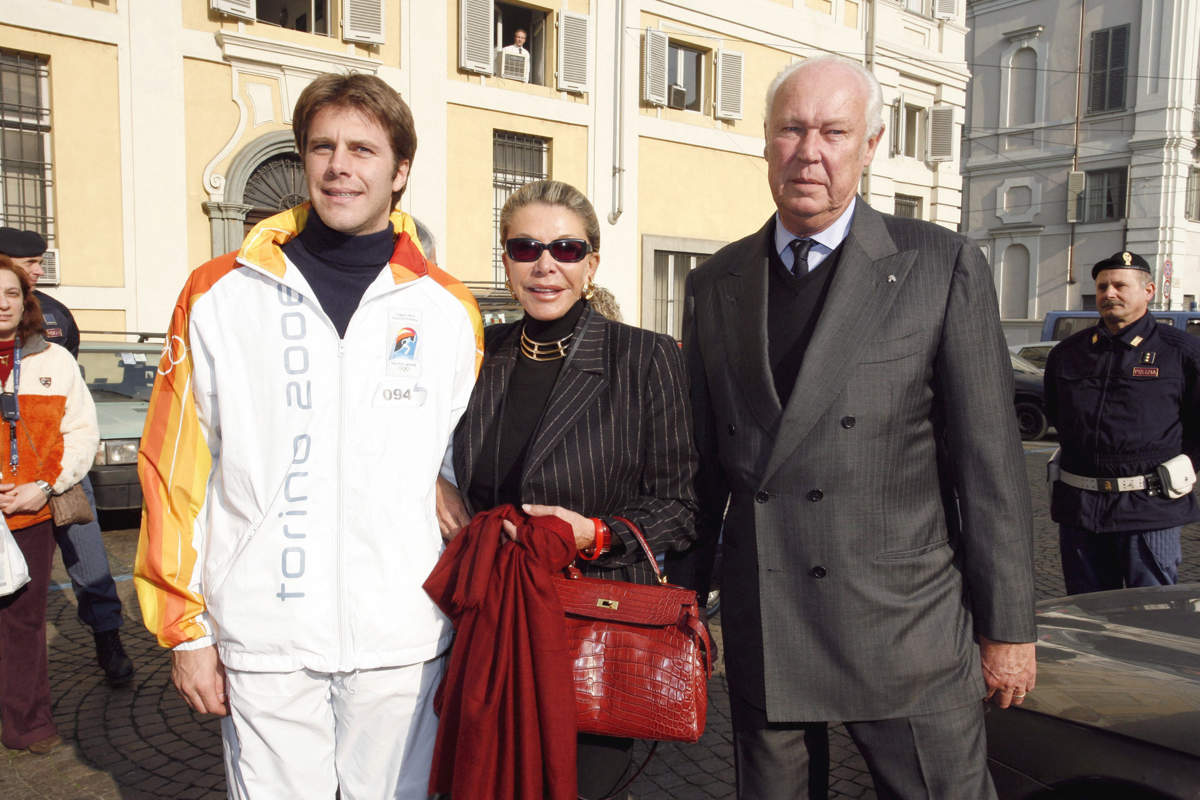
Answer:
[(1123, 404)]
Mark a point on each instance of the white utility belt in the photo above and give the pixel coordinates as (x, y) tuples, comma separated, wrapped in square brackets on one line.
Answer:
[(1135, 483), (1174, 478)]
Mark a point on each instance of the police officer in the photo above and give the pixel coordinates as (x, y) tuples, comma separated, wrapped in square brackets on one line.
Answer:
[(81, 546), (1125, 398)]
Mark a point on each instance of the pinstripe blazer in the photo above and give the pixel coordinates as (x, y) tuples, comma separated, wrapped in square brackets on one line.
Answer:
[(882, 519), (615, 438)]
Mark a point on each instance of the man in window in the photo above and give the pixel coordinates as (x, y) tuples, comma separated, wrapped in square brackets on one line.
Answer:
[(81, 546), (288, 466), (1125, 397), (513, 54)]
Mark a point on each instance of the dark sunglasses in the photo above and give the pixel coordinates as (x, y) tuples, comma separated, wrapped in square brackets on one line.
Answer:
[(566, 251)]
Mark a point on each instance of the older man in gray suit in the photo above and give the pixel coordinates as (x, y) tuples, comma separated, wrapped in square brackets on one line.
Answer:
[(853, 403)]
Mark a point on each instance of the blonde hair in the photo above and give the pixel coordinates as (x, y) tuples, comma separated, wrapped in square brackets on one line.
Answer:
[(552, 193)]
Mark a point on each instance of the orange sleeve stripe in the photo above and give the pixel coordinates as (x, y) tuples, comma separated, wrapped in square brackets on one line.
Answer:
[(173, 466)]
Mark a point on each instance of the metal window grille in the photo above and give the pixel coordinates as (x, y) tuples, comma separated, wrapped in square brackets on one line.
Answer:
[(670, 272), (517, 159), (1105, 195), (25, 174), (908, 206)]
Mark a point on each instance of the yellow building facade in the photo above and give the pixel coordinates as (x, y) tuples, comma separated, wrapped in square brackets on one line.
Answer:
[(142, 137)]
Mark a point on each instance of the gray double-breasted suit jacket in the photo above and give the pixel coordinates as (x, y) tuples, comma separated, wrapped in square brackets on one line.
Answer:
[(881, 520)]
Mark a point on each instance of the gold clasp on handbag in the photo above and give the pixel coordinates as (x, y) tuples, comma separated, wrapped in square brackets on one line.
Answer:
[(612, 605)]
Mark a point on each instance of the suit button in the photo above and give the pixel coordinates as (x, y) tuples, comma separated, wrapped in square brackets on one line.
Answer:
[(815, 495), (818, 572), (761, 497), (848, 422), (732, 429)]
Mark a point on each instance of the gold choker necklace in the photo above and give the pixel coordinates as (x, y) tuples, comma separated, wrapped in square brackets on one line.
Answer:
[(544, 351)]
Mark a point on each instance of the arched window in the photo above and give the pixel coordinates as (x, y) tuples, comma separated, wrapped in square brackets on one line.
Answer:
[(276, 184), (1022, 87), (1014, 295)]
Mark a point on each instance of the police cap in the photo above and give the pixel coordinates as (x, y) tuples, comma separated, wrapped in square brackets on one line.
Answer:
[(1121, 260), (21, 244)]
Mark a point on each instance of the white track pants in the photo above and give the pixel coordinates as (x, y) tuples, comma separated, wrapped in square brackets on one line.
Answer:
[(305, 734)]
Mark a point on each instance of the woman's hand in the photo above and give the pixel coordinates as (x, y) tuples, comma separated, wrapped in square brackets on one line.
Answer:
[(451, 511), (585, 529), (25, 498)]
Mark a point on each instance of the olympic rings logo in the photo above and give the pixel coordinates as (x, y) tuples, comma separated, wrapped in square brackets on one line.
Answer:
[(174, 352)]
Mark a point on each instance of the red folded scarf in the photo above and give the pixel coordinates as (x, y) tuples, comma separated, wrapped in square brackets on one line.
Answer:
[(506, 704)]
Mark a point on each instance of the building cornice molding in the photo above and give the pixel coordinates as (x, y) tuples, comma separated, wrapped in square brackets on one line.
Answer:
[(244, 49), (1024, 34)]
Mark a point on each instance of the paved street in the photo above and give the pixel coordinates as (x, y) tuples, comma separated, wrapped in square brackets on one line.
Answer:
[(142, 742)]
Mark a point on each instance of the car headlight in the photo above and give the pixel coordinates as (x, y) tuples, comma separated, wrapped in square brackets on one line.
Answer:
[(116, 451)]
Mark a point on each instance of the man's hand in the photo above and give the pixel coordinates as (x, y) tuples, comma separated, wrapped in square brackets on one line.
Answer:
[(451, 511), (25, 498), (199, 677), (1010, 670)]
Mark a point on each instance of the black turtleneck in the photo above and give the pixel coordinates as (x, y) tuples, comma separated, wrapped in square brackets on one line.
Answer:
[(339, 267), (496, 478)]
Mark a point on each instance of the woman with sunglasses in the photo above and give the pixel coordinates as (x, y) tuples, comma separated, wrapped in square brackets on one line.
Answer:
[(49, 434), (577, 416)]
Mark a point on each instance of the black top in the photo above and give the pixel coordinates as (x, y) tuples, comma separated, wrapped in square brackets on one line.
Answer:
[(793, 307), (1123, 404), (60, 324), (339, 267), (524, 400)]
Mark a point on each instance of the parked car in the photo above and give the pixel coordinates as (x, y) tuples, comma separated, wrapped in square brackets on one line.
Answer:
[(119, 375), (496, 303), (1059, 325), (1116, 709), (1033, 352), (1029, 399)]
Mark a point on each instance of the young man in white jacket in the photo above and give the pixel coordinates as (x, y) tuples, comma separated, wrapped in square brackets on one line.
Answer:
[(303, 410)]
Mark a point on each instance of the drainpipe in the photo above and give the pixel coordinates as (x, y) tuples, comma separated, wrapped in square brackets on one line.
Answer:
[(870, 64), (618, 170), (1075, 152)]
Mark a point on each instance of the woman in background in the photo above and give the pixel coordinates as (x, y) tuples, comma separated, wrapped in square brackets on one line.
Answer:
[(49, 433)]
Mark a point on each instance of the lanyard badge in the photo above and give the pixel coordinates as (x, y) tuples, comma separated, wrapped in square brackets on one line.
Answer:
[(10, 409)]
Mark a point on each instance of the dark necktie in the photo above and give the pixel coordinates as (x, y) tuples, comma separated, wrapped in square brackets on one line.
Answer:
[(800, 248)]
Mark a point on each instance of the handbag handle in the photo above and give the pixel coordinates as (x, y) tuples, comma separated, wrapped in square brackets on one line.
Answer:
[(637, 532)]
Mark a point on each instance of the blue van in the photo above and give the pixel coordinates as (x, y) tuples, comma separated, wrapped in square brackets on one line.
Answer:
[(1061, 324)]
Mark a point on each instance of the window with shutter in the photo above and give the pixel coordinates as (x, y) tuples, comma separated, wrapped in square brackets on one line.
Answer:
[(897, 126), (234, 8), (520, 42), (729, 84), (685, 77), (654, 68), (362, 21), (941, 133), (1109, 66), (307, 16), (1104, 197), (573, 49), (945, 9), (475, 36), (1192, 210), (913, 117)]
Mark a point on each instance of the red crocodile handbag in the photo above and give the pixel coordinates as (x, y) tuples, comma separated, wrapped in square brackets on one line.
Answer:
[(642, 656)]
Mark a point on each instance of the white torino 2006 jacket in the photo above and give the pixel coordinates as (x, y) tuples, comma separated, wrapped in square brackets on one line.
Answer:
[(288, 474)]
